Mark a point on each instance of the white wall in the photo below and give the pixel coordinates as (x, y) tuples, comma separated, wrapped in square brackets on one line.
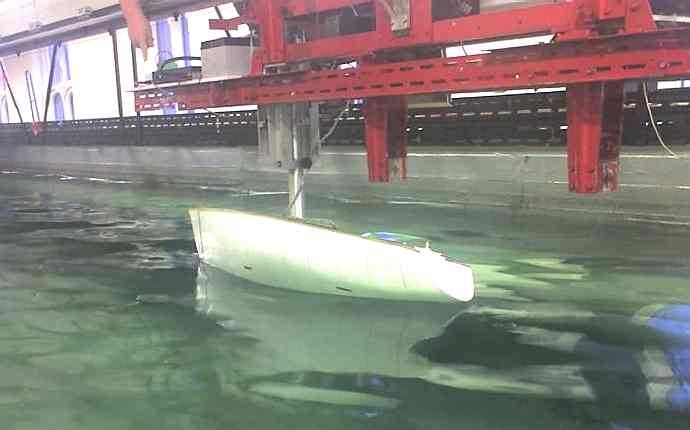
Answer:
[(92, 65), (199, 30), (93, 77), (36, 62), (126, 75), (17, 16), (4, 108)]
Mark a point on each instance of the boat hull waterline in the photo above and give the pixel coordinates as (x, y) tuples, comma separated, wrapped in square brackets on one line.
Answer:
[(296, 255)]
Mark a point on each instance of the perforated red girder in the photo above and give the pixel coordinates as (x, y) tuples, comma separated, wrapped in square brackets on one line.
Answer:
[(642, 56)]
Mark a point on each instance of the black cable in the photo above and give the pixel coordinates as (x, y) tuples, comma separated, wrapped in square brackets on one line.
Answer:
[(220, 16), (56, 48), (31, 91), (173, 59), (135, 77), (9, 88), (116, 64)]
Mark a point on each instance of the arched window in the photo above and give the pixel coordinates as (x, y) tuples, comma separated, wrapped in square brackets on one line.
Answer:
[(69, 99), (58, 107), (4, 110), (62, 102), (61, 99)]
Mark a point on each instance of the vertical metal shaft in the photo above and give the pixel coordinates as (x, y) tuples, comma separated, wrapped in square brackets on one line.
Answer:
[(296, 193), (31, 91), (118, 82), (296, 175), (220, 16), (49, 90), (135, 68), (135, 75), (9, 88)]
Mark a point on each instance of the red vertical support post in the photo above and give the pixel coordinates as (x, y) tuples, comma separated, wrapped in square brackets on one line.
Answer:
[(595, 122), (270, 19), (584, 134), (385, 121), (639, 16), (421, 20), (612, 134)]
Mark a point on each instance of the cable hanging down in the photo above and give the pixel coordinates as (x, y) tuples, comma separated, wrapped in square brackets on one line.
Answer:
[(652, 120), (9, 89), (323, 139)]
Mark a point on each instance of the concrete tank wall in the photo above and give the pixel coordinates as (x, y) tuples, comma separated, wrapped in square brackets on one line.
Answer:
[(653, 184)]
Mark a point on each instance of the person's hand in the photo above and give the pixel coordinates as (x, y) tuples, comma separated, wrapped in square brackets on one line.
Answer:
[(140, 34)]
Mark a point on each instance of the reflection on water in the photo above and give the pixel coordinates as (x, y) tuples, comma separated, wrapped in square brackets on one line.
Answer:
[(519, 351), (108, 321)]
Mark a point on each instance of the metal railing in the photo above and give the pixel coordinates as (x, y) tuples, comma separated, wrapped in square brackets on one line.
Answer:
[(537, 119)]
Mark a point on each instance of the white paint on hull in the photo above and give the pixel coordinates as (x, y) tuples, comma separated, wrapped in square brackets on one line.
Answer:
[(295, 255)]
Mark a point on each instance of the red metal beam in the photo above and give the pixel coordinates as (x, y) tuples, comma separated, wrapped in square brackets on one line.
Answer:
[(229, 24), (569, 20), (584, 134), (652, 55), (595, 121), (385, 120), (611, 134), (551, 19), (304, 7), (598, 44), (350, 46), (271, 23)]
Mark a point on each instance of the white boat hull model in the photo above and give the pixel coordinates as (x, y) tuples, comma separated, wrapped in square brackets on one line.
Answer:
[(295, 255)]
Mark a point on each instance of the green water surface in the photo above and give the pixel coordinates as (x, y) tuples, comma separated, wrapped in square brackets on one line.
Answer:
[(107, 320)]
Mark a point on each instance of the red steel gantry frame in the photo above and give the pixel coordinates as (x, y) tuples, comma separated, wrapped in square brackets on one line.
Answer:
[(597, 45)]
